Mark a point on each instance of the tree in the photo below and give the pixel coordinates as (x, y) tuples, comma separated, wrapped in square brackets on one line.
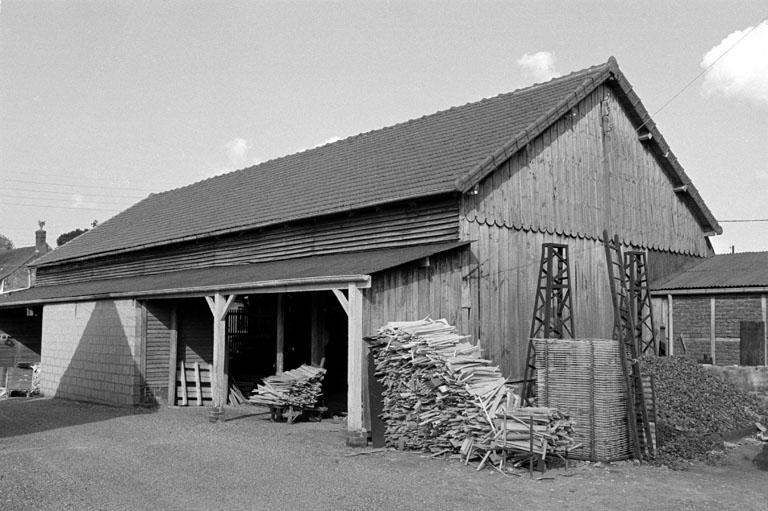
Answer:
[(6, 243), (69, 236)]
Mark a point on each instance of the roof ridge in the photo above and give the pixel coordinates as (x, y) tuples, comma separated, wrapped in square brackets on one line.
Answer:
[(413, 120)]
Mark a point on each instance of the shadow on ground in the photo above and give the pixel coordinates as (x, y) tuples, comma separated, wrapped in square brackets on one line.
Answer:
[(24, 416)]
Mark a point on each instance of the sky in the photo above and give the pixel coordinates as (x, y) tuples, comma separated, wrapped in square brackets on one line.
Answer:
[(104, 102)]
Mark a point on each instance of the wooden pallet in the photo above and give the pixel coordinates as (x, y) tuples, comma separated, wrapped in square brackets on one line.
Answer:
[(193, 384)]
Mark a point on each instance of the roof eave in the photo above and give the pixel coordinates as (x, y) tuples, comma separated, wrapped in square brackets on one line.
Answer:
[(235, 230), (709, 290)]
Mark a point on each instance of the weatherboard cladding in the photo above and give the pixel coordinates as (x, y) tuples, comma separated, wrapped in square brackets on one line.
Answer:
[(749, 269), (430, 221)]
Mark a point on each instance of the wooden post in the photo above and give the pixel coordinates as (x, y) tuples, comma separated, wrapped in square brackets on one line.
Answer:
[(172, 357), (712, 350), (219, 377), (765, 330), (317, 331), (279, 359), (671, 326), (356, 434)]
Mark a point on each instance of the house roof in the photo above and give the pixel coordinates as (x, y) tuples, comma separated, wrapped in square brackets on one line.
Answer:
[(330, 271), (12, 260), (726, 272), (448, 151)]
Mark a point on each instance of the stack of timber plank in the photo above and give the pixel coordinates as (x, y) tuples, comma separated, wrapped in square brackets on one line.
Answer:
[(300, 387), (584, 377), (440, 396)]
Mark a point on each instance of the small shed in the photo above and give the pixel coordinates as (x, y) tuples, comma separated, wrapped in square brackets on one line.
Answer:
[(715, 310)]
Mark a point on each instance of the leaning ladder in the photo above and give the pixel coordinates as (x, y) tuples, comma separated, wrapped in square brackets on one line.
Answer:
[(636, 271), (623, 331), (552, 311)]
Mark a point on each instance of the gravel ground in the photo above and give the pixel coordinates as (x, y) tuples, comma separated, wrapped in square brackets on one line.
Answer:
[(57, 455)]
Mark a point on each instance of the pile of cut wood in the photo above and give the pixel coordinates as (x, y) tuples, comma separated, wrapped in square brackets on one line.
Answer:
[(440, 396), (300, 387)]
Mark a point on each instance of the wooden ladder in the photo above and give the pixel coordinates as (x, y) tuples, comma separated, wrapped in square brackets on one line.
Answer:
[(623, 331), (636, 271)]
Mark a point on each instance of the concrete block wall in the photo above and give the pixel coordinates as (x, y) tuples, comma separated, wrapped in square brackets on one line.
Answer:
[(91, 352)]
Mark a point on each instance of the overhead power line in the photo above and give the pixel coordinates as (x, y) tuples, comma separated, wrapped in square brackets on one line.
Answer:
[(89, 201), (85, 194), (744, 220), (78, 185), (46, 206)]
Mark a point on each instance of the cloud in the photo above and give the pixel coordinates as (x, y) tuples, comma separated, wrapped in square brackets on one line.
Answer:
[(79, 202), (742, 72), (331, 140), (539, 66), (237, 151)]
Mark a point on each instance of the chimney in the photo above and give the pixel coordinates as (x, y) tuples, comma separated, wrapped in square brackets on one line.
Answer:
[(41, 247)]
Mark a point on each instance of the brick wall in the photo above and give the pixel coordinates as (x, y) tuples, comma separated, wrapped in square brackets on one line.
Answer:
[(91, 352), (731, 310), (692, 319)]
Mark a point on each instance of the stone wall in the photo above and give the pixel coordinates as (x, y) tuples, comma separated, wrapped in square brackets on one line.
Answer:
[(91, 352)]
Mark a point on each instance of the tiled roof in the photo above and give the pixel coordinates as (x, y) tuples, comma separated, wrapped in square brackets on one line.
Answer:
[(12, 260), (444, 152), (230, 278), (749, 269)]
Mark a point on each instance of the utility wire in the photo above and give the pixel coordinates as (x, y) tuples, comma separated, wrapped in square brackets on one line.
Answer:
[(695, 78), (73, 192), (66, 200)]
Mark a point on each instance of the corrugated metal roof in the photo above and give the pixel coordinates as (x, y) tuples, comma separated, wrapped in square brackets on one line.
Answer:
[(749, 269), (440, 153), (222, 278)]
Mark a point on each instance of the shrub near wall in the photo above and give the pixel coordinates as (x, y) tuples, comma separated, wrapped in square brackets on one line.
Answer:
[(91, 352)]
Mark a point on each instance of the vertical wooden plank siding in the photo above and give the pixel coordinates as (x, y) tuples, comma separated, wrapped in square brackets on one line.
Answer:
[(157, 321), (141, 331), (172, 355), (411, 292)]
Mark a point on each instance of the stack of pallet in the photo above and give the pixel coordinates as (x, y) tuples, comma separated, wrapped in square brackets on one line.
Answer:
[(300, 387), (439, 395)]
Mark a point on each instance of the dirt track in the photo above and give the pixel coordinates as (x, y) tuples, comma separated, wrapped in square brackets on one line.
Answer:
[(60, 455)]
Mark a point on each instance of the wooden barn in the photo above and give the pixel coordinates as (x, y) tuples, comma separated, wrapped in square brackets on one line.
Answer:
[(297, 259)]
